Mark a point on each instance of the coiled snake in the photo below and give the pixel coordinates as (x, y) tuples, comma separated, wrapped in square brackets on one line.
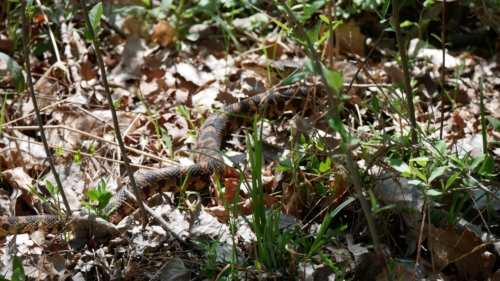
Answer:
[(208, 156)]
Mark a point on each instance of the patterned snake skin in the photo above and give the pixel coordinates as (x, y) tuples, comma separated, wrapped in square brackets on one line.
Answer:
[(207, 155)]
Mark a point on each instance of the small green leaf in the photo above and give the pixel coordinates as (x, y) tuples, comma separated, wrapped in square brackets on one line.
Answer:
[(104, 200), (92, 149), (95, 15), (406, 23), (59, 151), (101, 186), (18, 273), (437, 37), (324, 18), (93, 195), (296, 77), (420, 174), (76, 157), (375, 104), (417, 182), (476, 161), (325, 166), (494, 122), (451, 180), (90, 207), (432, 192), (422, 161), (436, 173), (88, 35), (385, 8), (334, 80), (117, 103), (399, 165)]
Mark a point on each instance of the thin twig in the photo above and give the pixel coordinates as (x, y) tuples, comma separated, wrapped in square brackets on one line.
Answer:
[(100, 62), (35, 105)]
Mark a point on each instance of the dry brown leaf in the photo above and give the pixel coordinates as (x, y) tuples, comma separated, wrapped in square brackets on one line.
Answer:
[(466, 250), (351, 38), (164, 34), (20, 181)]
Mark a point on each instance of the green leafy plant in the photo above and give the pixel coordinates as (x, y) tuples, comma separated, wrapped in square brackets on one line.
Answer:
[(95, 18), (17, 271), (101, 196)]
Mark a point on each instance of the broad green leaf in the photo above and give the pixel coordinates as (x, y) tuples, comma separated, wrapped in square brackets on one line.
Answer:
[(451, 180), (93, 195), (494, 122), (476, 161), (88, 35), (417, 182), (334, 79), (422, 161), (296, 77), (432, 192), (95, 15), (18, 273), (419, 174), (436, 173), (104, 200), (399, 165), (324, 18), (16, 71)]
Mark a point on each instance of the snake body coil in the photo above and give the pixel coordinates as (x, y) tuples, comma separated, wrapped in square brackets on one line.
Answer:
[(207, 155)]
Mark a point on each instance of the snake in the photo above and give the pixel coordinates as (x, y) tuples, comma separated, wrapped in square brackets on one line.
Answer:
[(207, 155)]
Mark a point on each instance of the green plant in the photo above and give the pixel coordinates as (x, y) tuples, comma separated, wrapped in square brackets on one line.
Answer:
[(95, 18), (100, 195), (18, 271)]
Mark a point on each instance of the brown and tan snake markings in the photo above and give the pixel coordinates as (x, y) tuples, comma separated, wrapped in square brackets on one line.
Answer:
[(207, 155)]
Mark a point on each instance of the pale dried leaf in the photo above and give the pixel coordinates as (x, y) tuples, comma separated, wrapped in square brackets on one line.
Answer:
[(20, 181), (192, 74), (175, 125), (174, 270)]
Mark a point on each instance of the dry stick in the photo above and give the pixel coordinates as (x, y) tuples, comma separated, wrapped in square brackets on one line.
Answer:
[(35, 105), (350, 162), (113, 113), (406, 74), (443, 45)]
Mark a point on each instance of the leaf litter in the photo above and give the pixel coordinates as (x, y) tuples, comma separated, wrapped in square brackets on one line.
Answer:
[(150, 85)]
